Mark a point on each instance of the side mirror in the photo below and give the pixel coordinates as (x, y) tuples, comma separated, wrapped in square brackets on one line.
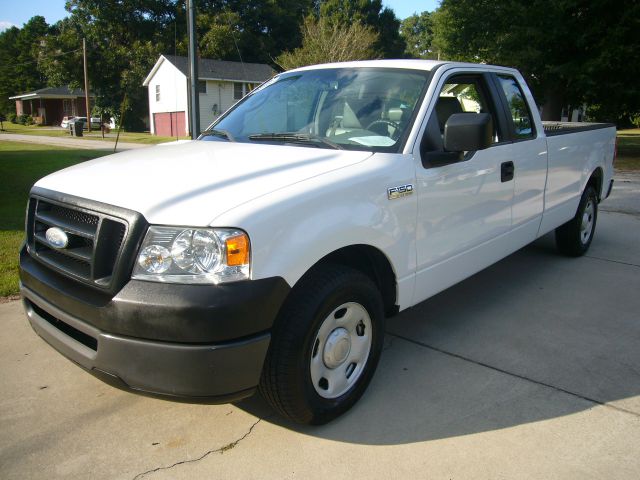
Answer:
[(465, 132)]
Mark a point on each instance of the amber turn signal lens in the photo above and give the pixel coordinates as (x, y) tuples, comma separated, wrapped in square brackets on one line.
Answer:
[(237, 250)]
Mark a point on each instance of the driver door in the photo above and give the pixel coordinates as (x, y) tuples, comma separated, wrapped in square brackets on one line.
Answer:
[(464, 200)]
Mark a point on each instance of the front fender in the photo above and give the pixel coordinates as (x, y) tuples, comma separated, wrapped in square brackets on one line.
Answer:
[(293, 228)]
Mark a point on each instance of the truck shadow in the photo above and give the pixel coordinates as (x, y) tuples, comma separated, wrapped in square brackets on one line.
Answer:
[(534, 337)]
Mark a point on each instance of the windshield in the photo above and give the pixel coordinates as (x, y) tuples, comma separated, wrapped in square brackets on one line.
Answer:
[(348, 108)]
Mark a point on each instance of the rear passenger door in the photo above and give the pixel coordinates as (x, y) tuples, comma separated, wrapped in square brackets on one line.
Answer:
[(464, 204), (529, 156)]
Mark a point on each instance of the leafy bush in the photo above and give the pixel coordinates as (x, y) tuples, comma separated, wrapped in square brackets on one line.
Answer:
[(12, 117)]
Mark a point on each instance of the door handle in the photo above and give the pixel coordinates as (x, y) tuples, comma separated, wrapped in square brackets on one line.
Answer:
[(506, 171)]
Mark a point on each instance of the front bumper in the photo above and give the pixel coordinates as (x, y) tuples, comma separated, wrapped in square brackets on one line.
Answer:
[(203, 342)]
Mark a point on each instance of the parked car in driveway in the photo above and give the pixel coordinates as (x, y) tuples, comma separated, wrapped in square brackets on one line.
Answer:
[(95, 121), (268, 253)]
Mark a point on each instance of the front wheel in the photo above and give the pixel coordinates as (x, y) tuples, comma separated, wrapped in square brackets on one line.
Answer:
[(574, 237), (325, 345)]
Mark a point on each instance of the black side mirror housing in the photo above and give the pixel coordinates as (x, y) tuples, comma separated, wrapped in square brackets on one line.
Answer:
[(466, 132)]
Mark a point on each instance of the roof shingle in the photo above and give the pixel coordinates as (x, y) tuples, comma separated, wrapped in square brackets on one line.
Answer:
[(225, 70), (54, 91)]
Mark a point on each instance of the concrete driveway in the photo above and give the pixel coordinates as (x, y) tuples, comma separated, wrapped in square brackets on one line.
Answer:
[(529, 369)]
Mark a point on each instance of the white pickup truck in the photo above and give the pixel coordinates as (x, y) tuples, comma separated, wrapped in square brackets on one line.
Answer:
[(268, 253)]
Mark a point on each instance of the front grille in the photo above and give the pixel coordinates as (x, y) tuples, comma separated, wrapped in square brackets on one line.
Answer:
[(95, 240)]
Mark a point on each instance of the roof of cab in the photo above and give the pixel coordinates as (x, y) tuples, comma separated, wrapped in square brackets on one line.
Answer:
[(404, 63)]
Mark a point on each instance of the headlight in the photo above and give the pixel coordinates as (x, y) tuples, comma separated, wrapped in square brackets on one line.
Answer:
[(193, 255)]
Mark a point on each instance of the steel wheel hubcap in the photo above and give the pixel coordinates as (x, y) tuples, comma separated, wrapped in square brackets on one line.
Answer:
[(337, 348), (587, 222), (340, 350)]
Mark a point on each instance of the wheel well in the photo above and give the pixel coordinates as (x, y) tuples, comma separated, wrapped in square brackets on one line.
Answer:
[(373, 263), (595, 180)]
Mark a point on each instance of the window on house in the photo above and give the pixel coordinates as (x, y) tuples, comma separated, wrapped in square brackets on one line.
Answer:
[(202, 86), (157, 93), (67, 107), (238, 91)]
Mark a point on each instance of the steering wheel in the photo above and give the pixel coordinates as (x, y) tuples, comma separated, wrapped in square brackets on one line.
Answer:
[(386, 123)]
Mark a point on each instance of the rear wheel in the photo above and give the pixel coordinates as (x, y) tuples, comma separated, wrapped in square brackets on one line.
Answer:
[(325, 345), (574, 237)]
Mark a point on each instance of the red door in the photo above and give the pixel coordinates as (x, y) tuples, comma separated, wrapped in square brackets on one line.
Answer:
[(169, 124)]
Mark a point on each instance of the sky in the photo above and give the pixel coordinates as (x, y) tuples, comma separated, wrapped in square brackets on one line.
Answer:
[(16, 13)]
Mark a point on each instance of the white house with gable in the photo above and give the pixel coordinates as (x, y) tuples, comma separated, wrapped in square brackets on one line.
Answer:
[(220, 85)]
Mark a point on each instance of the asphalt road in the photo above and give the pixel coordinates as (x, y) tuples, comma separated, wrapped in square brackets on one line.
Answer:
[(529, 369)]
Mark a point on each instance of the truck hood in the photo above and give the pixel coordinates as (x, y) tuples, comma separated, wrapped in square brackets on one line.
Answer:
[(193, 183)]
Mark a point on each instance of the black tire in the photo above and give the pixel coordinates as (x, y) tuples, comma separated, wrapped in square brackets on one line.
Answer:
[(571, 238), (286, 381)]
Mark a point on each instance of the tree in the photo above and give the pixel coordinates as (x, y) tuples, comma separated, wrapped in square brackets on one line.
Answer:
[(3, 119), (417, 32), (570, 51), (369, 13), (124, 40), (254, 30), (324, 41), (218, 34), (19, 49)]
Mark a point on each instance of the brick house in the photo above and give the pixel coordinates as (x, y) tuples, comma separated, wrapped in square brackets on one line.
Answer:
[(48, 105)]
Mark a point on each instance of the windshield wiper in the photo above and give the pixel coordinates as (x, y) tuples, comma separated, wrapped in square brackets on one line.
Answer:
[(218, 133), (295, 138)]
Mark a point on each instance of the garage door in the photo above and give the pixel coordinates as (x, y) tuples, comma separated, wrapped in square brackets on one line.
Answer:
[(169, 124)]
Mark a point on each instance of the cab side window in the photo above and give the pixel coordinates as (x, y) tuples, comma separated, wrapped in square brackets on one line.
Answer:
[(522, 123), (460, 94)]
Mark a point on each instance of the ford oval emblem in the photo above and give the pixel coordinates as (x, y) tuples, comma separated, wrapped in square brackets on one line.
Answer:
[(57, 238)]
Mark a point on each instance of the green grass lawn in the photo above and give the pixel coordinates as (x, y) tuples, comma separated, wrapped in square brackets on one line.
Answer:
[(131, 137), (628, 149), (21, 164)]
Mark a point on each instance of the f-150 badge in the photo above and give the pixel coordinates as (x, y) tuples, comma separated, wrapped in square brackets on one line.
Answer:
[(399, 191)]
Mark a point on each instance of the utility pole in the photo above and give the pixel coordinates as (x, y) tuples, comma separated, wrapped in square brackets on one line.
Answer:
[(86, 83), (194, 104)]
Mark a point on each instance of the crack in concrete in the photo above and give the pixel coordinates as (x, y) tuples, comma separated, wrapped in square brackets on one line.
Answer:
[(516, 375), (622, 211), (220, 450), (612, 261)]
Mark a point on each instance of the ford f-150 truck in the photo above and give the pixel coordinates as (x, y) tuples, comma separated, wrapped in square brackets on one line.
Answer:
[(268, 253)]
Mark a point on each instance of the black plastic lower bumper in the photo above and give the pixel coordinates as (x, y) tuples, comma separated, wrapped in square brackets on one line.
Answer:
[(224, 372), (204, 342)]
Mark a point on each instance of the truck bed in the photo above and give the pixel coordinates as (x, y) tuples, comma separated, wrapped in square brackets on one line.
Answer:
[(561, 128)]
